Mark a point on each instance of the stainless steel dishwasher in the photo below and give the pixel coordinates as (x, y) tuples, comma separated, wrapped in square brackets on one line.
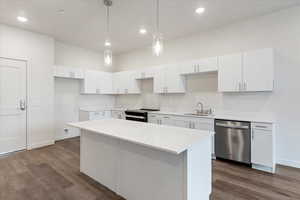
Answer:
[(233, 140)]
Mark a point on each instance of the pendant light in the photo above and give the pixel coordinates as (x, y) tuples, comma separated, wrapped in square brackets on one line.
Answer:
[(158, 45), (107, 43)]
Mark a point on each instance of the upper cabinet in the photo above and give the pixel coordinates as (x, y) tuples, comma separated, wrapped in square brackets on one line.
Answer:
[(258, 70), (247, 72), (68, 72), (97, 82), (145, 73), (199, 66), (126, 83), (230, 73), (168, 79)]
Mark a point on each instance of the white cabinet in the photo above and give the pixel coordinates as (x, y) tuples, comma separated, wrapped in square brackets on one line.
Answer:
[(145, 73), (97, 82), (198, 123), (262, 146), (258, 70), (247, 72), (199, 66), (125, 83), (118, 114), (230, 73), (154, 119), (94, 115), (168, 80), (68, 72)]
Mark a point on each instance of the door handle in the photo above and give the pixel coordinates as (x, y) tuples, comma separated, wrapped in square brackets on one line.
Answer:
[(22, 104)]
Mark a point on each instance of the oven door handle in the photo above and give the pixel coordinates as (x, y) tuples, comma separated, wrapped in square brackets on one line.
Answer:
[(136, 117)]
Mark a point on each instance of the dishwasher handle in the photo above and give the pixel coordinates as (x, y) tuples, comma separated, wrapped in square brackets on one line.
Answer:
[(231, 126)]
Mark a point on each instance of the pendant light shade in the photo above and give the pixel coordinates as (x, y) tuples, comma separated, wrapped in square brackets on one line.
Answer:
[(108, 58), (158, 43)]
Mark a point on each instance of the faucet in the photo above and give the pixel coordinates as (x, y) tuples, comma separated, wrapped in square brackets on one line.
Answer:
[(199, 111)]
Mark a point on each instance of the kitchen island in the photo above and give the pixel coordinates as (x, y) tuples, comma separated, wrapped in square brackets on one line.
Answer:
[(141, 161)]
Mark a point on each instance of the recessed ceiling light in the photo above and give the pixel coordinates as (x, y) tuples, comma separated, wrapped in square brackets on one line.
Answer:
[(22, 19), (200, 10), (61, 11), (143, 31)]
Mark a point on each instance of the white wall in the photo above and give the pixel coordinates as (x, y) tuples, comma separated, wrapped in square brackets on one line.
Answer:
[(279, 30), (38, 50), (67, 92)]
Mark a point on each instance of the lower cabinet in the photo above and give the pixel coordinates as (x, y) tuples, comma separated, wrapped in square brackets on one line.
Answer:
[(94, 115), (198, 123), (263, 147), (117, 114)]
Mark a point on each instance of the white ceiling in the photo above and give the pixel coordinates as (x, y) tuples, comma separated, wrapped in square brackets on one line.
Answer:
[(83, 21)]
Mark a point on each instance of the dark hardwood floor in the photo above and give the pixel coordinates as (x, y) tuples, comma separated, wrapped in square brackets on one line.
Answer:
[(52, 173)]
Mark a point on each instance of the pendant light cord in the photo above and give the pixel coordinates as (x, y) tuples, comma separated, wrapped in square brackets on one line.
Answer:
[(107, 21), (157, 16)]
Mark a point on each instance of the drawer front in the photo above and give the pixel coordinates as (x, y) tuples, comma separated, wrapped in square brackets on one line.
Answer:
[(262, 126)]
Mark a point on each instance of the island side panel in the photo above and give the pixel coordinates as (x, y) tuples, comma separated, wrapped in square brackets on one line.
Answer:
[(99, 158), (149, 174), (198, 172)]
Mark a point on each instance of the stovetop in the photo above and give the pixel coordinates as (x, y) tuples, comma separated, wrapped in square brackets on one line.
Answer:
[(143, 110)]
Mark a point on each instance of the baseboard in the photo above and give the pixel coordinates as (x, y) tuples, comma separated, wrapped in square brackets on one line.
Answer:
[(290, 163), (66, 137), (41, 144)]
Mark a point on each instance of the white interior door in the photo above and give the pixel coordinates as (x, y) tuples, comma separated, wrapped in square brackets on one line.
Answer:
[(12, 105)]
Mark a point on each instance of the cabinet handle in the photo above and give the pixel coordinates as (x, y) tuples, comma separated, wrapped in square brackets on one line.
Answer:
[(252, 134)]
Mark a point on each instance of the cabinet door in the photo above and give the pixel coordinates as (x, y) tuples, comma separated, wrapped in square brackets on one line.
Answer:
[(105, 83), (182, 123), (118, 83), (117, 114), (167, 120), (262, 147), (174, 82), (133, 85), (154, 119), (98, 115), (230, 73), (159, 85), (90, 82), (200, 66), (258, 70)]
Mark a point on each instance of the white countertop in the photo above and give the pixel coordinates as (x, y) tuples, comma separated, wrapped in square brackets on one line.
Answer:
[(170, 139), (238, 116)]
